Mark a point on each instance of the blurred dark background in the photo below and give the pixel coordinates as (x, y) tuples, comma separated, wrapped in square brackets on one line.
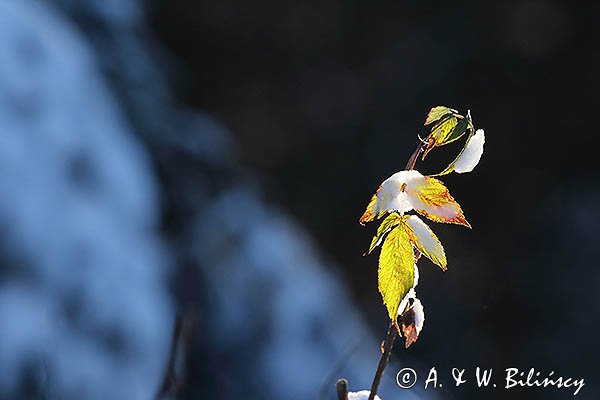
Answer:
[(260, 132), (326, 99)]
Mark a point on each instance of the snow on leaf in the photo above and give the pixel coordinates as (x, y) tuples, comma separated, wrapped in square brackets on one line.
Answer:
[(408, 190), (425, 241), (392, 195), (411, 294), (416, 275), (412, 321), (419, 315), (419, 234), (396, 269), (471, 154), (432, 199)]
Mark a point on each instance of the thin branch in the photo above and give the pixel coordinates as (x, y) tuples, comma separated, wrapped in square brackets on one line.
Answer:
[(384, 360), (413, 159)]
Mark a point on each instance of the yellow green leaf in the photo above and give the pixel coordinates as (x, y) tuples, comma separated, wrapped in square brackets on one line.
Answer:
[(408, 190), (419, 234), (449, 128), (442, 130), (437, 113), (388, 223), (423, 238), (463, 125), (370, 213), (439, 132), (433, 200), (396, 273)]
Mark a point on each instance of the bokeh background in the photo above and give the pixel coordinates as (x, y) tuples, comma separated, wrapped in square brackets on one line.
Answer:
[(191, 174)]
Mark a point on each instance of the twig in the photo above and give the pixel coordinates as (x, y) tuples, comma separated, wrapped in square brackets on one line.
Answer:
[(413, 159), (385, 358), (342, 389)]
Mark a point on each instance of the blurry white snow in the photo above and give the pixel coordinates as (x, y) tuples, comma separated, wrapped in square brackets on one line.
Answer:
[(77, 207)]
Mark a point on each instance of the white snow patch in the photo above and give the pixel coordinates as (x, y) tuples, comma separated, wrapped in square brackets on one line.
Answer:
[(471, 155), (410, 295), (419, 315), (362, 395), (425, 235), (391, 197)]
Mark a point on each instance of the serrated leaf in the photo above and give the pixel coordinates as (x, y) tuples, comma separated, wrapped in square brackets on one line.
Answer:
[(396, 273), (444, 128), (433, 200), (439, 131), (437, 113), (408, 190), (423, 238), (388, 223), (370, 214), (374, 211), (463, 126), (419, 234)]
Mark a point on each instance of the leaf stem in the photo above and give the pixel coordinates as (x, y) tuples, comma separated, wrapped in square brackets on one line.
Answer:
[(413, 159)]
